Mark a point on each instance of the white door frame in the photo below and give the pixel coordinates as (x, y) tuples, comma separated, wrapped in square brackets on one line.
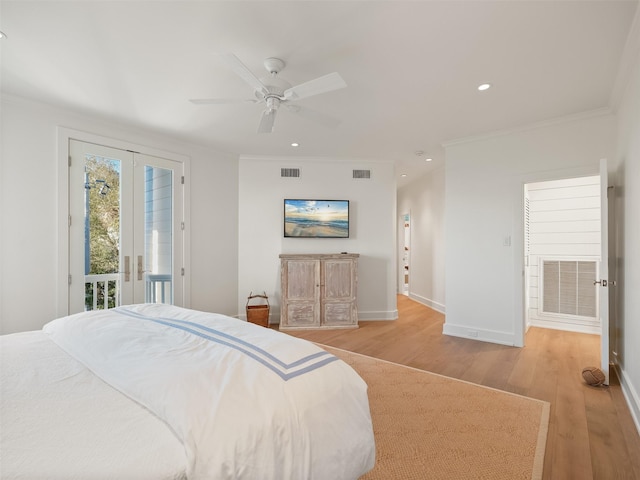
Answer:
[(63, 136)]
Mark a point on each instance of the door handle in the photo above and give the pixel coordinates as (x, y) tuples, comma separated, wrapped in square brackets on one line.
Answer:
[(602, 282), (127, 268)]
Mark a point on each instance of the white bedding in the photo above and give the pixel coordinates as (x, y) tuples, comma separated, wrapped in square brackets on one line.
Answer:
[(245, 402), (60, 421)]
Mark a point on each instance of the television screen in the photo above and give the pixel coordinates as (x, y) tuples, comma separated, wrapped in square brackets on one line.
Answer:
[(316, 218)]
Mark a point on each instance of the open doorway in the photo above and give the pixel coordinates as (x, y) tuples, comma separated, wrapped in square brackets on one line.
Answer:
[(406, 254), (562, 253), (567, 239)]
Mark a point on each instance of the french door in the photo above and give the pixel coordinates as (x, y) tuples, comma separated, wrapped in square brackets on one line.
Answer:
[(125, 228)]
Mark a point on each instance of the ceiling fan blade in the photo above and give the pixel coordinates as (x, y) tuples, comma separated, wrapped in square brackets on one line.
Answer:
[(221, 101), (267, 121), (315, 116), (242, 71), (327, 83)]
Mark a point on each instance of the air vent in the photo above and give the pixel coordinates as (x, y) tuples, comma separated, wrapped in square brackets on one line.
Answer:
[(290, 172), (362, 174), (568, 289)]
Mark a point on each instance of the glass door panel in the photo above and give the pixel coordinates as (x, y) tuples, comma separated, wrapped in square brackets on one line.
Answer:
[(158, 221), (101, 232)]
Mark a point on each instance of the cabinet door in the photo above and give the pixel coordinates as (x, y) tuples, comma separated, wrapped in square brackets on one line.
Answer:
[(301, 292), (338, 285)]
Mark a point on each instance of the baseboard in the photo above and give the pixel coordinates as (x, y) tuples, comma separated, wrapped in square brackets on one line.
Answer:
[(567, 327), (381, 315), (438, 307), (630, 395), (490, 336), (274, 319)]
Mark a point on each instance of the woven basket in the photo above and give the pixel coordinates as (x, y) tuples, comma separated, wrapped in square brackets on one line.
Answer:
[(258, 314)]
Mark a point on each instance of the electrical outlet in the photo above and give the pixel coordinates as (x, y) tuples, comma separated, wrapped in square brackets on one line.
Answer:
[(473, 333)]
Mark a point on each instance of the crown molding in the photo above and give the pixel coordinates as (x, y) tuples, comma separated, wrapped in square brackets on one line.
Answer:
[(313, 159), (599, 112)]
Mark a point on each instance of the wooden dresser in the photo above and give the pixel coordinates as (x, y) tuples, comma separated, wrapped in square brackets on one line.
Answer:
[(319, 291)]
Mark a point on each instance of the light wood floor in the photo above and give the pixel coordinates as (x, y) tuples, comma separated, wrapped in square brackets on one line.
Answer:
[(591, 432)]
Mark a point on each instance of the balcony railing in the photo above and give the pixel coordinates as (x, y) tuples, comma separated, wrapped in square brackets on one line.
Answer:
[(159, 288), (103, 291)]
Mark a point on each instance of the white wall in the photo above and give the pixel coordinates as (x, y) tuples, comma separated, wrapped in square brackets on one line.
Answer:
[(372, 226), (29, 212), (626, 336), (485, 178), (424, 200)]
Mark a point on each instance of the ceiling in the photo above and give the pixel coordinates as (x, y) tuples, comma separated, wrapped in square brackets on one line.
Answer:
[(412, 68)]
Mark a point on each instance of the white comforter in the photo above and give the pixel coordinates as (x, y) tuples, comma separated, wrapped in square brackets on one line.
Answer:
[(58, 421), (245, 401)]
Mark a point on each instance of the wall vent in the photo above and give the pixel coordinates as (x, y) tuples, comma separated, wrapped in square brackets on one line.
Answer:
[(568, 288), (290, 172), (362, 174)]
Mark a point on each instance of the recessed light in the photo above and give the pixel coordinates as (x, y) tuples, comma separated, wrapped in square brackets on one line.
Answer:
[(428, 159), (484, 86), (403, 174), (3, 35), (294, 144)]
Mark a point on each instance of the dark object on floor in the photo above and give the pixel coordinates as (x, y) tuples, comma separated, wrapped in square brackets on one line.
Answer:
[(593, 376)]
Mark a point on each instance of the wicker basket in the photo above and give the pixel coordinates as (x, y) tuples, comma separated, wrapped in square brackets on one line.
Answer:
[(258, 314)]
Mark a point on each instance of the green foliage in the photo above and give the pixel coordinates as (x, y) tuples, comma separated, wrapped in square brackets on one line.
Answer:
[(100, 292), (104, 215)]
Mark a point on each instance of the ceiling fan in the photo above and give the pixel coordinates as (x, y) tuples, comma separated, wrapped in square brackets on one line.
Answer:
[(274, 91)]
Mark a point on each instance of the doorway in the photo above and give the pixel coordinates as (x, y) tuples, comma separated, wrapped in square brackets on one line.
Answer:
[(562, 251), (125, 228), (573, 235), (406, 254)]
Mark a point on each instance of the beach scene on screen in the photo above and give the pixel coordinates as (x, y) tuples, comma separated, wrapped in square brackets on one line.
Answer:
[(316, 218)]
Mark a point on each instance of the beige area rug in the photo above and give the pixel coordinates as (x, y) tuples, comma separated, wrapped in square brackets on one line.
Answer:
[(428, 426)]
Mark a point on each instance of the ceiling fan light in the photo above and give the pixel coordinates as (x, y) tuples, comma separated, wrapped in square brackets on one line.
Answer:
[(272, 104)]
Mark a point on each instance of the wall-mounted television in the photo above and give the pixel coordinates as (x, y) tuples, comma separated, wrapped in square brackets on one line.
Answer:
[(306, 218)]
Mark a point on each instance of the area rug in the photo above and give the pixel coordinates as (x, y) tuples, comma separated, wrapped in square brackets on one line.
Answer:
[(428, 426)]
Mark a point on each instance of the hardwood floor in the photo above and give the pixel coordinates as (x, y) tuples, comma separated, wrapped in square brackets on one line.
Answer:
[(591, 432)]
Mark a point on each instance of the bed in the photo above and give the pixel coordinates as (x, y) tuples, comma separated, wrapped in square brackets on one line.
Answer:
[(162, 392)]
